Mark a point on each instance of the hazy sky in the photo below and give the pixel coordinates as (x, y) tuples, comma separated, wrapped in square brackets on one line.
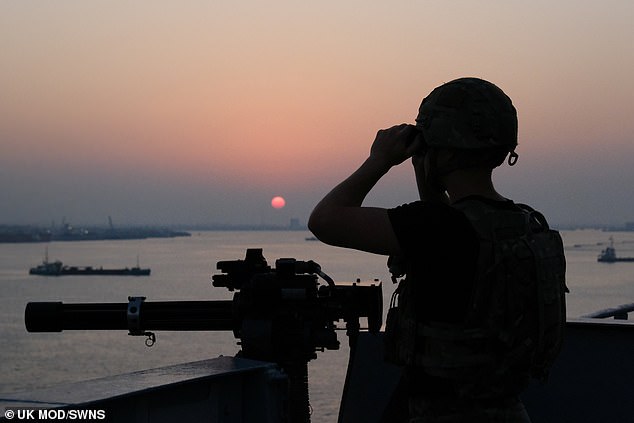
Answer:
[(202, 111)]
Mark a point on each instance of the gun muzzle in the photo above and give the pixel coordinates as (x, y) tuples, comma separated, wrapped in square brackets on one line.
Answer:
[(169, 315)]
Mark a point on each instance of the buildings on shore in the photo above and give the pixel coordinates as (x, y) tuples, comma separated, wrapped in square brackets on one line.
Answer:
[(28, 233), (67, 232)]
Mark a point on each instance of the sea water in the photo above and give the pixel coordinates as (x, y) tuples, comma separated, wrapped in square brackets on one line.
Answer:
[(181, 270)]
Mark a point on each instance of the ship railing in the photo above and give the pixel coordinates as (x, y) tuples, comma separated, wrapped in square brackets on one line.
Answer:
[(618, 313)]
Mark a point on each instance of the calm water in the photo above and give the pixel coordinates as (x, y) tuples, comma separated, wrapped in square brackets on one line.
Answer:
[(181, 269)]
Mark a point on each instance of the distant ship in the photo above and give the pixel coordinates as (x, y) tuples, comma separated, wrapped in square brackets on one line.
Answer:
[(57, 268), (609, 255)]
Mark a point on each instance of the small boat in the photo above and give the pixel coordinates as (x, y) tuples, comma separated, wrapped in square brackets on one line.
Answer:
[(608, 255)]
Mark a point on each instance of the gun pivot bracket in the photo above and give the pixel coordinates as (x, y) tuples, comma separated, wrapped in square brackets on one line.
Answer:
[(134, 320)]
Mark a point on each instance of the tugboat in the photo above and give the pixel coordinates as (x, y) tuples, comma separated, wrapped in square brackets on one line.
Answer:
[(47, 269), (609, 255)]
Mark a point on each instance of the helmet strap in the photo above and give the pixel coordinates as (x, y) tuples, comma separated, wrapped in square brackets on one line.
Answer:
[(433, 189)]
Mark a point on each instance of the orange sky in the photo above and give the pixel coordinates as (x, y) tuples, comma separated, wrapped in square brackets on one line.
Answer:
[(222, 98)]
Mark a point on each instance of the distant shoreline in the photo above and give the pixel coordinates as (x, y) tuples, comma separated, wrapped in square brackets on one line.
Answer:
[(33, 233), (26, 233), (220, 227)]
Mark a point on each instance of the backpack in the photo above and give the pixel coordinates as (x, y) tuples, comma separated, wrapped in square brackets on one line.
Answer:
[(513, 329)]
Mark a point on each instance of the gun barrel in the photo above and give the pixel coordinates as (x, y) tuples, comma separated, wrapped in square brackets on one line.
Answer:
[(169, 315)]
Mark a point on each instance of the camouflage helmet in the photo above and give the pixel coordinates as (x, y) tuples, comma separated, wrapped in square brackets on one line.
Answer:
[(468, 113)]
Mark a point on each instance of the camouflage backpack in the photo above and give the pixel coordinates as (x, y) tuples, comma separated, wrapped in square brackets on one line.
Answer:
[(513, 329)]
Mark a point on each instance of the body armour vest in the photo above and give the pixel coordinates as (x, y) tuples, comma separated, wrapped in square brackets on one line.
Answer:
[(513, 329)]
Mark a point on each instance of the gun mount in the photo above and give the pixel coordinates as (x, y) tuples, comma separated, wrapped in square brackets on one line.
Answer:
[(280, 314)]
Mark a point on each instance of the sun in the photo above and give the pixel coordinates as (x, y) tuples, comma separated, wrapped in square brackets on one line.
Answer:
[(278, 202)]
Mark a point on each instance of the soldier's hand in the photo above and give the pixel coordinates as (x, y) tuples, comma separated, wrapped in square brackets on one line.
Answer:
[(396, 144)]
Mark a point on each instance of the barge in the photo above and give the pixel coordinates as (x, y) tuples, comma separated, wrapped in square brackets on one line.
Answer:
[(57, 268)]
